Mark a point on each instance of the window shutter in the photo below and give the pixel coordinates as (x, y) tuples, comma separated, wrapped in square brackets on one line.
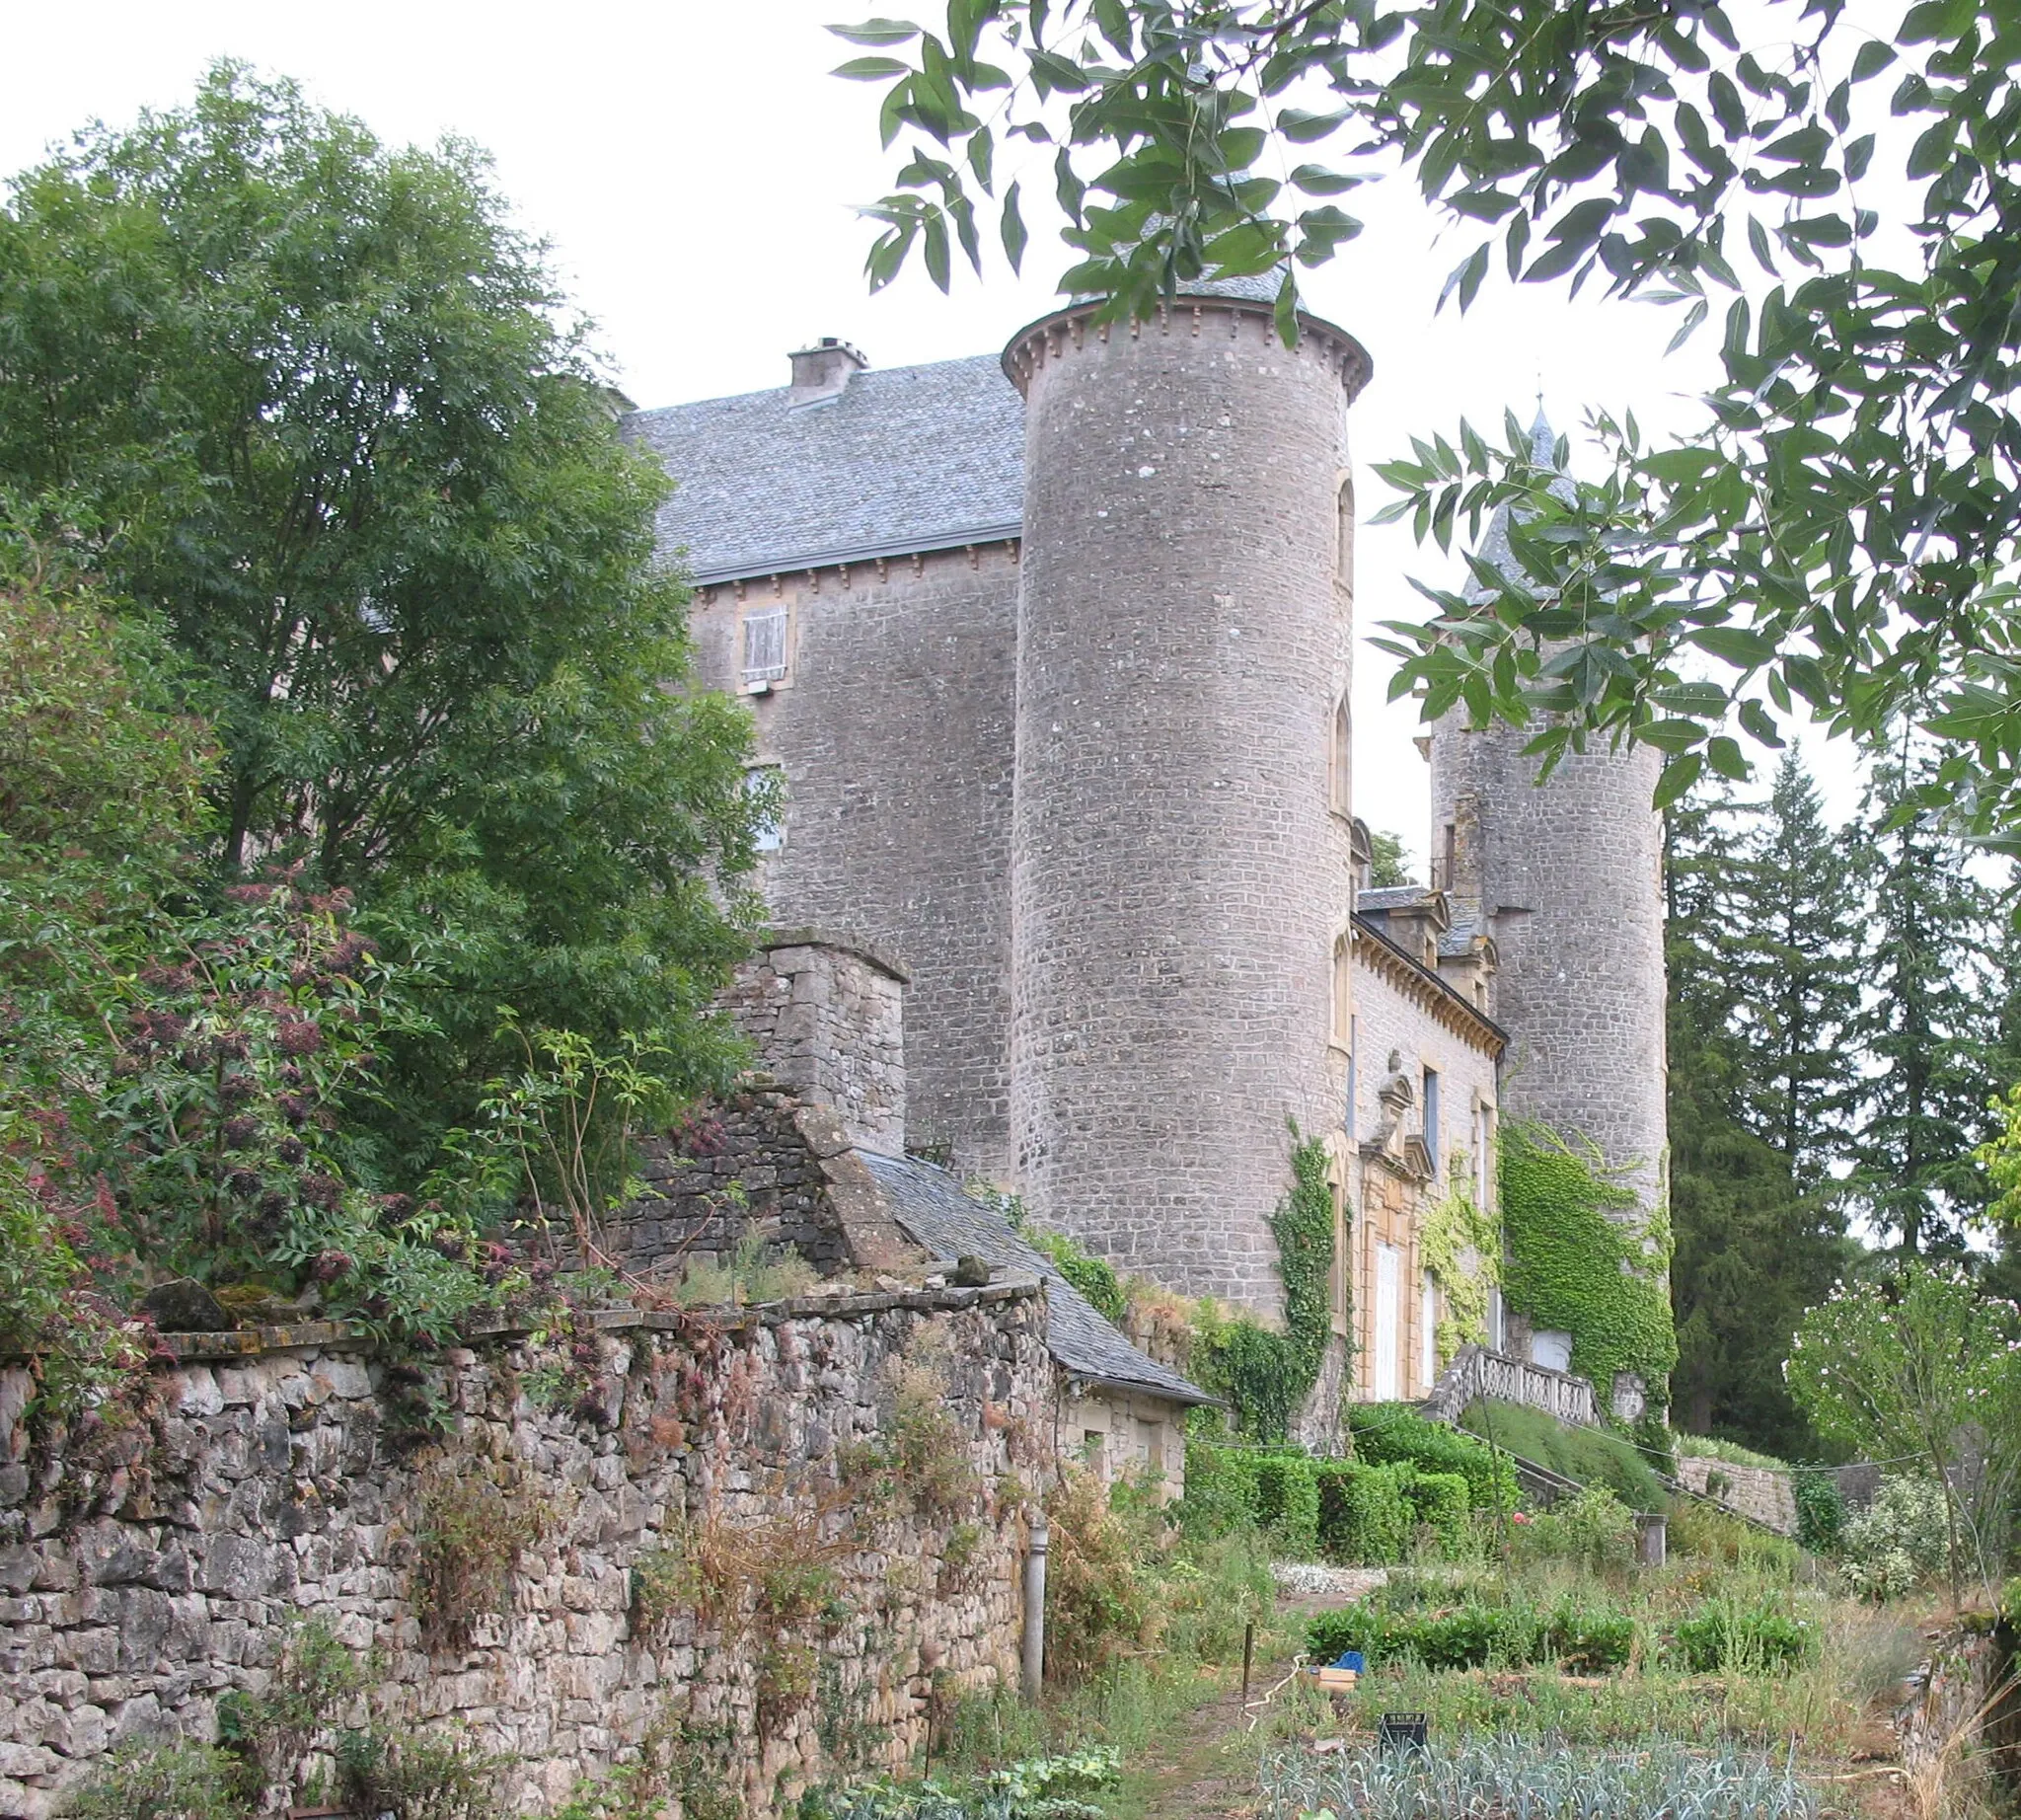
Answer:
[(764, 644)]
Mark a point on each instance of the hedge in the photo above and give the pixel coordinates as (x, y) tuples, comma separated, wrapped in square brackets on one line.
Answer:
[(1288, 1502), (1591, 1456), (1440, 1500), (1364, 1515), (1385, 1432)]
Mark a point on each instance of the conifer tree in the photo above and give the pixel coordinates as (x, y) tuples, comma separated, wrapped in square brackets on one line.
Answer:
[(1800, 972), (1931, 1026)]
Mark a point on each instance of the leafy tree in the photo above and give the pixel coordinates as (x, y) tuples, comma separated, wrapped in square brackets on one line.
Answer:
[(1923, 1365), (1387, 865), (1843, 531), (1928, 1028), (312, 404)]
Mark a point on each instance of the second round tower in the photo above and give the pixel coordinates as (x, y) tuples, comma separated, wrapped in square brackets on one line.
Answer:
[(1182, 849)]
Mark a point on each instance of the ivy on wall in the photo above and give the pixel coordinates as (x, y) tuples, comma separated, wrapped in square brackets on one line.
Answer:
[(1451, 1230), (1574, 1267), (1262, 1373)]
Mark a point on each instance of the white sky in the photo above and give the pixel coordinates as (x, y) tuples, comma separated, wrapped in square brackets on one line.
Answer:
[(695, 168)]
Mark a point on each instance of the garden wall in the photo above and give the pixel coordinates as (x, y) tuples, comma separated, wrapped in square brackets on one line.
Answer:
[(775, 1537), (1753, 1491)]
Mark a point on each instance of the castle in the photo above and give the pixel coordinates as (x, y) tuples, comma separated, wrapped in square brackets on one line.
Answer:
[(1050, 658)]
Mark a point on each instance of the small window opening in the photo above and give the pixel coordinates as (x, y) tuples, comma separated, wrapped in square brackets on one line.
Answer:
[(764, 644), (1431, 1105), (768, 782), (1343, 554), (1343, 992), (1342, 757)]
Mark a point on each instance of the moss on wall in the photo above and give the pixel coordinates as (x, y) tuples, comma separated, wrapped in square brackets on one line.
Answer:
[(1573, 1265)]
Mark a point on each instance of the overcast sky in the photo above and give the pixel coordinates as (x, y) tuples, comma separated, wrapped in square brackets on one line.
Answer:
[(696, 168)]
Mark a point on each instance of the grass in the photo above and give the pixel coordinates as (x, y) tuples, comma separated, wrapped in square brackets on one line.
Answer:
[(750, 1276), (1591, 1456)]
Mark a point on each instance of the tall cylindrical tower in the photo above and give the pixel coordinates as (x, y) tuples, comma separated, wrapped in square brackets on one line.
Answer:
[(1182, 845), (1567, 878)]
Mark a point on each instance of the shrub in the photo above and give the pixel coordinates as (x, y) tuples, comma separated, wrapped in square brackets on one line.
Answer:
[(166, 1781), (1439, 1503), (1591, 1456), (1387, 1433), (1590, 1639), (1711, 1447), (1221, 1490), (1728, 1636), (1288, 1502), (427, 1776), (1098, 1596), (1479, 1633), (1594, 1527), (1898, 1543), (1364, 1515), (1712, 1535), (1819, 1509)]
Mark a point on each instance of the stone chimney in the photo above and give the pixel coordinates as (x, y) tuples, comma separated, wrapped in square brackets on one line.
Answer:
[(822, 372), (827, 1015)]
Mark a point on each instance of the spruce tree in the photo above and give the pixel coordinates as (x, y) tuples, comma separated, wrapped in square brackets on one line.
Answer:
[(1800, 974), (1930, 1028), (1762, 957)]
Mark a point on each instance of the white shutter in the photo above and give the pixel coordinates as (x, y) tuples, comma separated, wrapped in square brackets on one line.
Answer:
[(764, 644), (1388, 1328)]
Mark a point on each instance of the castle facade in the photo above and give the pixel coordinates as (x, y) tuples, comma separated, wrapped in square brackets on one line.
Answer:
[(1050, 656)]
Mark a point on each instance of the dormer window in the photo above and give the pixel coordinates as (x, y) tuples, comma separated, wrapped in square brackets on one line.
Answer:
[(764, 646)]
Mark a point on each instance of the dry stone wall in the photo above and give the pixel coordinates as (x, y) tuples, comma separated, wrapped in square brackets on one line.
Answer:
[(690, 1455)]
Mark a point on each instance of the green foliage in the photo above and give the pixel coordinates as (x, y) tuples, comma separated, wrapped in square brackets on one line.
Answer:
[(1735, 1638), (1820, 1509), (1037, 1789), (1439, 1501), (1091, 1275), (1713, 1447), (1264, 1374), (1462, 1246), (1387, 865), (181, 1780), (1574, 1267), (1591, 1527), (1474, 1773), (1394, 1431), (1899, 1543), (1591, 1456), (315, 403), (1762, 947), (1923, 1365), (1288, 1504), (751, 1276), (1365, 1516), (1705, 1533), (422, 1776)]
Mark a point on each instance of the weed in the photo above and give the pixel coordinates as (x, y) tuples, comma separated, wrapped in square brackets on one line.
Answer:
[(752, 1274), (173, 1782), (438, 1776), (468, 1541)]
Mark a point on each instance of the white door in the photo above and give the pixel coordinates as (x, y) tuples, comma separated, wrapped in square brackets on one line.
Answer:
[(1388, 1329)]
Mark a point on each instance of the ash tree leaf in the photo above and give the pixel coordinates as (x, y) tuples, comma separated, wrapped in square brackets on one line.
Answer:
[(1678, 775), (1015, 235), (877, 32), (870, 69)]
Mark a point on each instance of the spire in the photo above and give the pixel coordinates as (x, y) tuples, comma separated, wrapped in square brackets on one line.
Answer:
[(1544, 442)]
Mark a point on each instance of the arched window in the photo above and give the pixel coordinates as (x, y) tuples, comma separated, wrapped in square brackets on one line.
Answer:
[(1340, 758), (1343, 989), (1344, 546)]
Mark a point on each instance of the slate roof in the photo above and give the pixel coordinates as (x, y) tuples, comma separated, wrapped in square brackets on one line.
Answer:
[(932, 1206), (1381, 897), (907, 459)]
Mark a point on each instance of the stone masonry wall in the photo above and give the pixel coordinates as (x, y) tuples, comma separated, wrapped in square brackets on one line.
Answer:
[(828, 1016), (762, 1159), (286, 1485), (894, 733), (1179, 874), (1760, 1492)]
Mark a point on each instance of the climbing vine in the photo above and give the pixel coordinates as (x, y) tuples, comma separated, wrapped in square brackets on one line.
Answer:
[(1453, 1228), (1572, 1266), (1263, 1372)]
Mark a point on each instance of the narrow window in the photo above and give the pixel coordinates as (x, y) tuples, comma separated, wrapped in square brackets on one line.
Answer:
[(768, 782), (1354, 1046), (1428, 1340), (1483, 1152), (764, 645), (1343, 991), (1343, 753), (1431, 1103), (1343, 550)]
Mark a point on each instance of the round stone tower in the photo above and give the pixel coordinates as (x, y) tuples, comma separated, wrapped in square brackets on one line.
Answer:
[(1566, 877), (1181, 847)]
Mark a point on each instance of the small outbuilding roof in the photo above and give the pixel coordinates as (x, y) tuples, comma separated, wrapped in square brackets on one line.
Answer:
[(913, 458), (950, 1222)]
